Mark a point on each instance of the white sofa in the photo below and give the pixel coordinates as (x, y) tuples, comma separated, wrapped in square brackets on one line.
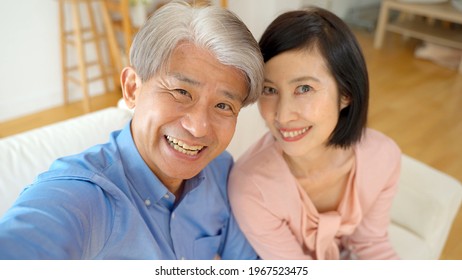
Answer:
[(422, 214)]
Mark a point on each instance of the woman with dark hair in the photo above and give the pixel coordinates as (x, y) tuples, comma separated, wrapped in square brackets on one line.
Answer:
[(319, 184)]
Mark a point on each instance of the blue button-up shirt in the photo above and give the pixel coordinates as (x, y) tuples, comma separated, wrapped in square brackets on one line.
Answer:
[(106, 203)]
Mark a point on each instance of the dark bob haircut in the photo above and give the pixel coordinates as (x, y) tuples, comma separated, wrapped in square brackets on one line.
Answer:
[(320, 29)]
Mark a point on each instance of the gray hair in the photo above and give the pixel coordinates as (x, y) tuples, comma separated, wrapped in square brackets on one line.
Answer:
[(217, 29)]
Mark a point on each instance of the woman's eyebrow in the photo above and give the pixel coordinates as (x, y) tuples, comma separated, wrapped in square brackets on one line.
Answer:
[(304, 78), (297, 80)]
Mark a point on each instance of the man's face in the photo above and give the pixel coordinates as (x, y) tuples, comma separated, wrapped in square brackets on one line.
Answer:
[(186, 115)]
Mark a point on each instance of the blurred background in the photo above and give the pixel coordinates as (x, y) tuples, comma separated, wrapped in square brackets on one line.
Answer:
[(413, 57)]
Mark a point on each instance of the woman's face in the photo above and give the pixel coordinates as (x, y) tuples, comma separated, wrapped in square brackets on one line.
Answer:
[(300, 101)]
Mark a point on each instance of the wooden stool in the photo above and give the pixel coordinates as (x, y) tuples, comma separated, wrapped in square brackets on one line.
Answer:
[(78, 36), (119, 10)]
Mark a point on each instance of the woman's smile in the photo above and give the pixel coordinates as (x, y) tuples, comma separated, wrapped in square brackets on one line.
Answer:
[(291, 135)]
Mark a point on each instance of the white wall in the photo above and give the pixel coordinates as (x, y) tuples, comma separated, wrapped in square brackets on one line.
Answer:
[(29, 57), (257, 14), (30, 62), (339, 7)]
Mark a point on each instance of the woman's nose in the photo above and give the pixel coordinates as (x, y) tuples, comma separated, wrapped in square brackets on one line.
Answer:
[(286, 109)]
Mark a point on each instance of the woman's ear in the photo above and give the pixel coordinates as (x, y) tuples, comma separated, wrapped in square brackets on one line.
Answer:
[(344, 101), (131, 85)]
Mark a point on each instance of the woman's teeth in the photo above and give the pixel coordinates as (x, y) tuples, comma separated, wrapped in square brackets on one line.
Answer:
[(291, 134)]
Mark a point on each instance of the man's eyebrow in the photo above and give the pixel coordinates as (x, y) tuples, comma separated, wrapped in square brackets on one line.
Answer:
[(183, 78), (232, 96)]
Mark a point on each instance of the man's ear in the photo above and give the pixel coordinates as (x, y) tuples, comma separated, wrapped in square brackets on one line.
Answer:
[(131, 84), (345, 101)]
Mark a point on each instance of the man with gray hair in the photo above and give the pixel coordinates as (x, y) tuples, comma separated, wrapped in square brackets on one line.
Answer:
[(157, 189)]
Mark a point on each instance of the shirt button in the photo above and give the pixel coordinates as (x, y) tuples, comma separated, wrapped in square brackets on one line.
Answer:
[(173, 215), (147, 202), (166, 196)]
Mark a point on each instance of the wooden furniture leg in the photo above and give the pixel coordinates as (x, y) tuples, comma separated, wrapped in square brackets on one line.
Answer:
[(81, 34), (381, 25)]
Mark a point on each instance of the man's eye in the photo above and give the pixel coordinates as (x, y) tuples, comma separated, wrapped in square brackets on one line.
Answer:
[(182, 92), (269, 91), (224, 106), (303, 89)]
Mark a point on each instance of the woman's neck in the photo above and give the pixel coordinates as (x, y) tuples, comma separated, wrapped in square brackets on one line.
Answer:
[(321, 160), (323, 175)]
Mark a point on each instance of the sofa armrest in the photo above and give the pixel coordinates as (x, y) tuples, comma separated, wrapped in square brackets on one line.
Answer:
[(423, 210)]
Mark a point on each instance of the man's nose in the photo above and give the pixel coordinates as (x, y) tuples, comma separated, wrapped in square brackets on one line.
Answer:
[(197, 120)]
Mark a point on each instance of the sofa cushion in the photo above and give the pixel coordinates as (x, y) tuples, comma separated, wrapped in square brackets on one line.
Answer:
[(409, 246)]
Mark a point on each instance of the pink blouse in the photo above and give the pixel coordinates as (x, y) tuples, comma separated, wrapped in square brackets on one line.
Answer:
[(281, 222)]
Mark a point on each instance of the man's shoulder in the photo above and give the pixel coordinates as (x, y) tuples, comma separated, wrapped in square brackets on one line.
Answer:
[(222, 161), (218, 169), (94, 160), (91, 174)]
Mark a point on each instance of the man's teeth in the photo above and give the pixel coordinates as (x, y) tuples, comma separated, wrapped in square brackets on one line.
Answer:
[(182, 147), (290, 134)]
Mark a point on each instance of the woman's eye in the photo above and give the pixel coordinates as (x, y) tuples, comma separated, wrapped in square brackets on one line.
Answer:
[(303, 89), (269, 91)]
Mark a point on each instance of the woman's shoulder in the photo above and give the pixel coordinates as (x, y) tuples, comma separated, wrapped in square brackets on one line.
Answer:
[(261, 174), (377, 144), (378, 157), (258, 153), (262, 164)]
